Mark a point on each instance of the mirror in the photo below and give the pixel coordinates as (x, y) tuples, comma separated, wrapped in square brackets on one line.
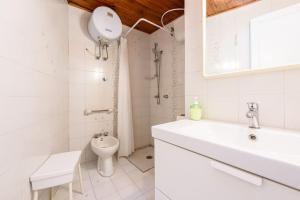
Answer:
[(255, 35)]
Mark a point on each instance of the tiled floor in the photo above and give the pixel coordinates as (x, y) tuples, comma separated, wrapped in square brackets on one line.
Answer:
[(138, 158), (127, 183)]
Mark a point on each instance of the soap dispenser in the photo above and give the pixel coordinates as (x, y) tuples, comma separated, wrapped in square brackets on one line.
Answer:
[(195, 110)]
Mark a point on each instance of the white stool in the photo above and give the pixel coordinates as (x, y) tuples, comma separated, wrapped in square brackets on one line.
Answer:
[(57, 170)]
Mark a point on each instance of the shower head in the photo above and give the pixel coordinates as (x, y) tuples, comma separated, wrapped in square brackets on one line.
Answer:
[(155, 49)]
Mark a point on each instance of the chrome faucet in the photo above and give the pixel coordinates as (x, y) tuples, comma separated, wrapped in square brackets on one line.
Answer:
[(252, 115)]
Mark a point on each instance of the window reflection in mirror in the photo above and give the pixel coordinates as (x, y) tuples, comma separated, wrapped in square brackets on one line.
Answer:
[(257, 35)]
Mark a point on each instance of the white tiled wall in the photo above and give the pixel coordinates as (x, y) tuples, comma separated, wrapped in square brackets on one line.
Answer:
[(225, 99), (172, 78), (33, 90), (87, 89)]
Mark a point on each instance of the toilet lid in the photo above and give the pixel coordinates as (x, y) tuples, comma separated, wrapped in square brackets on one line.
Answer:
[(105, 142)]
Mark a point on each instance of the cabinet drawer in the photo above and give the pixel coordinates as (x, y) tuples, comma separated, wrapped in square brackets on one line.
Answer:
[(181, 174)]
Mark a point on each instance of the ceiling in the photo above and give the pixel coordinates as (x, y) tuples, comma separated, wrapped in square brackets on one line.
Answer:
[(131, 10), (218, 6)]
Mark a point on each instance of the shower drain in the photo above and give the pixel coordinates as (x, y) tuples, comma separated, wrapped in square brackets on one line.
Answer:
[(149, 157)]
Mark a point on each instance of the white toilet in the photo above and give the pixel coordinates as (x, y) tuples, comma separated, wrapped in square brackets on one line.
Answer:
[(105, 147)]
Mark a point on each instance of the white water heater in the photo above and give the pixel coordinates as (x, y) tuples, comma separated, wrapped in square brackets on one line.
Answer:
[(105, 25)]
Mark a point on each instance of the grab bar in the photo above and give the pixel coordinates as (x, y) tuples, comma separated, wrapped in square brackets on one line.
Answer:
[(89, 112)]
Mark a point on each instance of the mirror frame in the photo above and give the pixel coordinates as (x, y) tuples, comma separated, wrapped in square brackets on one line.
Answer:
[(234, 73)]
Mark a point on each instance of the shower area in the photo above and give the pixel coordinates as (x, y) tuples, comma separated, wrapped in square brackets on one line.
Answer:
[(157, 86), (155, 64)]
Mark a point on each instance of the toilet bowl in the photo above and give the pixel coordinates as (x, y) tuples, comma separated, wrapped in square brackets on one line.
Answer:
[(105, 147)]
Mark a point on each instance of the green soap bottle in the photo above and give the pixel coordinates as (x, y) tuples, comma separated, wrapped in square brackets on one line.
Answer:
[(195, 110)]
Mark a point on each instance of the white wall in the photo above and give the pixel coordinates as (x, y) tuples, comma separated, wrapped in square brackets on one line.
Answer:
[(145, 110), (87, 89), (172, 77), (224, 99), (33, 90)]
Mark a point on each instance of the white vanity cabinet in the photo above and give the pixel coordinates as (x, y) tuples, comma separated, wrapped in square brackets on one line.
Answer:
[(181, 174)]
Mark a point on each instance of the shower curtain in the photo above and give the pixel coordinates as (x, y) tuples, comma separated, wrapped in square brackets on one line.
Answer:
[(125, 127)]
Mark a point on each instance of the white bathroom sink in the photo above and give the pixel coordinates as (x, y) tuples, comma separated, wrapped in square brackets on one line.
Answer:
[(275, 154)]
